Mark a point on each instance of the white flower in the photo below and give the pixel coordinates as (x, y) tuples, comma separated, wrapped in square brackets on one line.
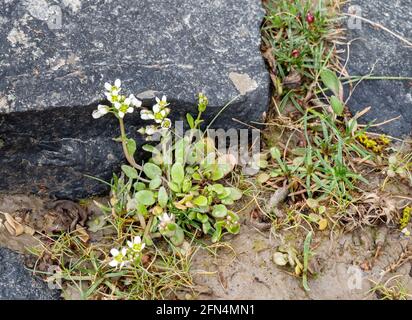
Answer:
[(121, 114), (119, 258), (101, 111), (146, 115), (130, 110), (160, 104), (132, 100), (166, 123), (114, 89), (136, 245), (117, 105), (151, 130), (156, 108), (165, 220)]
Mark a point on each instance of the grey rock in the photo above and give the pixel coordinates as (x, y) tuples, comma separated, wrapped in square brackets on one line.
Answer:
[(17, 283), (52, 76), (389, 56)]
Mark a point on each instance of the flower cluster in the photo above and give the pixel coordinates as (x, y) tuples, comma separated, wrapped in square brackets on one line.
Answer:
[(406, 217), (376, 145), (127, 255), (120, 103), (158, 114)]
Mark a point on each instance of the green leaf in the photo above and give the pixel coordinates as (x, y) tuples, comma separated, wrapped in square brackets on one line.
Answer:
[(190, 120), (187, 184), (218, 172), (129, 171), (218, 231), (145, 197), (331, 81), (235, 194), (275, 153), (218, 188), (155, 183), (178, 173), (131, 146), (150, 148), (234, 229), (162, 197), (174, 187), (206, 227), (203, 218), (227, 201), (178, 237), (180, 150), (139, 186), (337, 105), (200, 201), (196, 176), (141, 209), (219, 211), (151, 170)]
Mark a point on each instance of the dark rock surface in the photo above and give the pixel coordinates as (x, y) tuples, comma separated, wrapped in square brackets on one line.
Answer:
[(388, 98), (52, 76), (16, 282)]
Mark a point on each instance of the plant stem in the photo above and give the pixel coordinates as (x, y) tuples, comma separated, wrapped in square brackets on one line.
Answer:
[(129, 158), (148, 227)]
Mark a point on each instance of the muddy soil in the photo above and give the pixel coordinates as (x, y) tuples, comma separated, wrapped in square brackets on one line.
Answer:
[(342, 266), (247, 271)]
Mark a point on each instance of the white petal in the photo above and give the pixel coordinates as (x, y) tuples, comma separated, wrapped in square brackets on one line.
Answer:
[(127, 101), (117, 105), (114, 252), (96, 114), (124, 251), (130, 110), (157, 100), (158, 120), (108, 86), (113, 263), (143, 245), (103, 109), (156, 108), (118, 83), (137, 103), (150, 130), (164, 99), (121, 114), (137, 240), (108, 96), (130, 244)]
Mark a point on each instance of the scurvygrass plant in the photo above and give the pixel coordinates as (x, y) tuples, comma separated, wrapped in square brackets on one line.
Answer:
[(141, 245), (177, 191)]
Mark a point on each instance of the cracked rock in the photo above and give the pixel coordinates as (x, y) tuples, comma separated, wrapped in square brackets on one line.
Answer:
[(54, 66)]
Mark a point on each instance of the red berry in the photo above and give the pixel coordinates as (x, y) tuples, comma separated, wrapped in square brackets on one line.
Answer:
[(295, 53), (310, 18)]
